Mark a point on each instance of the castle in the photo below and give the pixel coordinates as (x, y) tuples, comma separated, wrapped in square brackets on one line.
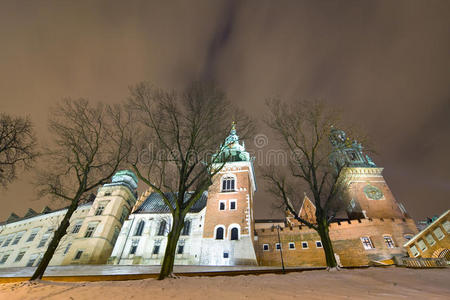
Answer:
[(220, 229)]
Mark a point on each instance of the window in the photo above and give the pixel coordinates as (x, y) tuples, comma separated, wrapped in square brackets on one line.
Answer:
[(99, 210), (228, 184), (234, 234), (124, 215), (219, 233), (422, 245), (367, 243), (232, 204), (156, 249), (266, 247), (226, 255), (139, 228), (78, 255), (107, 193), (4, 259), (437, 232), (33, 234), (305, 245), (90, 230), (31, 261), (77, 227), (446, 226), (8, 240), (430, 240), (43, 241), (162, 227), (278, 246), (134, 245), (17, 238), (115, 235), (20, 256), (222, 205), (67, 248), (186, 228), (318, 244), (291, 246), (388, 241), (408, 236), (414, 251), (180, 249)]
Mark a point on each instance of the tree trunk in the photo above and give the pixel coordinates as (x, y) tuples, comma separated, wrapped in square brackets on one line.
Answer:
[(60, 232), (327, 245), (172, 241)]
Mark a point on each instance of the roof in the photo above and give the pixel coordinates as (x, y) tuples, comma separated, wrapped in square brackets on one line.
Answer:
[(155, 203), (414, 238), (31, 213)]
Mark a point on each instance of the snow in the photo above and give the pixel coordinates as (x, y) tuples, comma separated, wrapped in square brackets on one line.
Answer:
[(372, 283)]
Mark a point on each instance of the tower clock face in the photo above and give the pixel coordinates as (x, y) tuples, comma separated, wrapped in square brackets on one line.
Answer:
[(373, 192)]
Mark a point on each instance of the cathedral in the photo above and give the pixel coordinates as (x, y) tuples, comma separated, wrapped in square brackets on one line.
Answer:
[(220, 229)]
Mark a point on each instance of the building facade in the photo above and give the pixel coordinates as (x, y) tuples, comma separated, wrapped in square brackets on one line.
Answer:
[(369, 227), (433, 241), (90, 238), (219, 229)]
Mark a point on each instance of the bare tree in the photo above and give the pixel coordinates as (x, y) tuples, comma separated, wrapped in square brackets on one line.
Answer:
[(90, 144), (181, 146), (17, 146), (304, 129)]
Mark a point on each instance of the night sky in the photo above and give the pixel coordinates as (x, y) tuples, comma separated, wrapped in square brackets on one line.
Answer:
[(385, 64)]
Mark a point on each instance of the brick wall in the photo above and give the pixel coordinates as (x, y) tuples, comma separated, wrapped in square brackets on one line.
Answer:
[(346, 242)]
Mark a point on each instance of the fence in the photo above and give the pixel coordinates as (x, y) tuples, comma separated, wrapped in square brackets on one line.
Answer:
[(410, 262)]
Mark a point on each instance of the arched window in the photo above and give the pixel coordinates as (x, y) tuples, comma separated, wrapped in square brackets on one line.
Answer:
[(228, 184), (219, 233), (234, 234), (140, 228), (162, 227), (187, 227)]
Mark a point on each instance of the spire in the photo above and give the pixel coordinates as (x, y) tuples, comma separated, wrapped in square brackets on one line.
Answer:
[(347, 152), (232, 150)]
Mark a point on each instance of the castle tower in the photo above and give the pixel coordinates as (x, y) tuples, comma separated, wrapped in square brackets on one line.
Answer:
[(96, 234), (229, 224), (369, 195)]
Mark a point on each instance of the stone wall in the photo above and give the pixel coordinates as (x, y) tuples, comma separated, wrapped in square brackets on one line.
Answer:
[(346, 237)]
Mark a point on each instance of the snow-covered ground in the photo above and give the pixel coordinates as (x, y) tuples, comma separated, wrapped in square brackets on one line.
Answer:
[(373, 283)]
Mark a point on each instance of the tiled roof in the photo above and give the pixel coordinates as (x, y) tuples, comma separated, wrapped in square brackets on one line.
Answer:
[(155, 203)]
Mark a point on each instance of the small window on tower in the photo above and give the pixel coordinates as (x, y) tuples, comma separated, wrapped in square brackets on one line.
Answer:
[(278, 246), (99, 210), (291, 246), (228, 184), (225, 255), (232, 204), (222, 205), (266, 247), (78, 255), (219, 233)]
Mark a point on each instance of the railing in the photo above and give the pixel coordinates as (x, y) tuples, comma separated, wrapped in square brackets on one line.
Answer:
[(410, 262)]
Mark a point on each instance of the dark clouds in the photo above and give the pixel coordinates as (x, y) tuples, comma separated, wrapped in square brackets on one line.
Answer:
[(386, 64)]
